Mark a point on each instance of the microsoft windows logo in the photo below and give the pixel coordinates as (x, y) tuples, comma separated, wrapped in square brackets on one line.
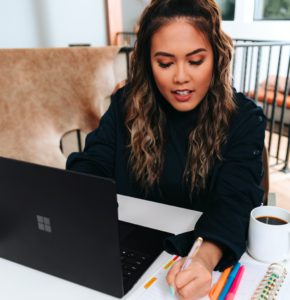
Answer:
[(43, 223)]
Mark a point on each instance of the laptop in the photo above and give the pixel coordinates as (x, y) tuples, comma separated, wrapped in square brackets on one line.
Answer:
[(66, 224)]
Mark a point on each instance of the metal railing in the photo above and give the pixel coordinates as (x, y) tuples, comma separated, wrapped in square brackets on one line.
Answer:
[(261, 70)]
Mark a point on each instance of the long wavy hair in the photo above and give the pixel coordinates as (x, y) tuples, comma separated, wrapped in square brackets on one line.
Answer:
[(146, 121)]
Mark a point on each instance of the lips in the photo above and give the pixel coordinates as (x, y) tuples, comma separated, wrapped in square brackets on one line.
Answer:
[(182, 95)]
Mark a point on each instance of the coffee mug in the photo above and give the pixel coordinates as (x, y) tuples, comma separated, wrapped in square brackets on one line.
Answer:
[(269, 234)]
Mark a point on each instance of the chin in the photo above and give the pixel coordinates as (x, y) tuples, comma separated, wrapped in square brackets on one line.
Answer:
[(184, 108)]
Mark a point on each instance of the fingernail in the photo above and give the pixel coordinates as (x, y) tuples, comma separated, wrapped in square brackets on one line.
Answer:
[(172, 291)]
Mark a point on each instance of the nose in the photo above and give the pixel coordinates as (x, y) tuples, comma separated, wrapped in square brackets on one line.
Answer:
[(181, 75)]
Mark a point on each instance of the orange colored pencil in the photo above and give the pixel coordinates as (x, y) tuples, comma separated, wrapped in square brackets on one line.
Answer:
[(218, 286)]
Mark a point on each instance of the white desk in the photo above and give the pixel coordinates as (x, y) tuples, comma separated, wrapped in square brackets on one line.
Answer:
[(18, 282)]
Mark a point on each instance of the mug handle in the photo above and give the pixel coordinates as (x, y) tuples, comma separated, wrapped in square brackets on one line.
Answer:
[(288, 229)]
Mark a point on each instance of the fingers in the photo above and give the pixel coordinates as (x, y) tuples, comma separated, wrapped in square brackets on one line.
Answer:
[(171, 275), (193, 286), (192, 283)]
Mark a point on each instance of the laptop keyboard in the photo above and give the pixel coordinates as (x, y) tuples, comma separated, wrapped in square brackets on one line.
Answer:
[(140, 246), (133, 264)]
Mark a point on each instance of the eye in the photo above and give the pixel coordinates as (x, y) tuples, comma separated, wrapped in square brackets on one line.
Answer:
[(164, 65), (196, 62)]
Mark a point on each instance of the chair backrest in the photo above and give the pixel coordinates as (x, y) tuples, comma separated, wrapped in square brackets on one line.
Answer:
[(265, 180), (45, 93)]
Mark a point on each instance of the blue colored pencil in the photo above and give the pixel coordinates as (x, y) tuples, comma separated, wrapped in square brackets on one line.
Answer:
[(229, 281)]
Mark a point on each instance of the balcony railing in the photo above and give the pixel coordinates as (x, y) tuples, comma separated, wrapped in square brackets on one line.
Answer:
[(260, 69)]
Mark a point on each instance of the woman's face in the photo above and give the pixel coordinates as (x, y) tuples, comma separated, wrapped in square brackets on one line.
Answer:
[(182, 64)]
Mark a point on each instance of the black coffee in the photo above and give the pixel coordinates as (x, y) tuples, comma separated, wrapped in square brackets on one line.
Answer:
[(271, 220)]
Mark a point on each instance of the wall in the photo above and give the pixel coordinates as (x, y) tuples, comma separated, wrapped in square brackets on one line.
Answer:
[(131, 10), (56, 23), (52, 23)]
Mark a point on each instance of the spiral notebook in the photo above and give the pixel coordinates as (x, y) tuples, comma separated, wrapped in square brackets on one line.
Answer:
[(271, 283), (260, 282)]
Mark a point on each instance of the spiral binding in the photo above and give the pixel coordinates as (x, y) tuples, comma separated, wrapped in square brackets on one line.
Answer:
[(271, 283)]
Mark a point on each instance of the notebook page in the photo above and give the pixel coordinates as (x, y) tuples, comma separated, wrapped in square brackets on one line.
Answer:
[(252, 276), (159, 289), (254, 273)]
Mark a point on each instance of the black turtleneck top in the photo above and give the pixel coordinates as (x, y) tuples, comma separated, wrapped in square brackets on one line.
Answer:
[(233, 185)]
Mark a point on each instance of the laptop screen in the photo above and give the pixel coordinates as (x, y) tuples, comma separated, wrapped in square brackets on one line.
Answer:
[(66, 224)]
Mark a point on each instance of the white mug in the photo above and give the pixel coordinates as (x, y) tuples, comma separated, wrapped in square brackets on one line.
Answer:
[(266, 242)]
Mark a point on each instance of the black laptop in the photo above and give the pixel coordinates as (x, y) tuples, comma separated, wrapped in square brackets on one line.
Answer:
[(66, 224)]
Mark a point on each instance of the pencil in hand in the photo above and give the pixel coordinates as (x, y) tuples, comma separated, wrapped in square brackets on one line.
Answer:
[(193, 251)]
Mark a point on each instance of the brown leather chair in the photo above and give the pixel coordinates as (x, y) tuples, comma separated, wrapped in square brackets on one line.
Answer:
[(46, 93)]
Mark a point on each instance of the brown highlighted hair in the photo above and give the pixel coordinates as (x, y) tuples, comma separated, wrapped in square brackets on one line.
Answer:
[(146, 121)]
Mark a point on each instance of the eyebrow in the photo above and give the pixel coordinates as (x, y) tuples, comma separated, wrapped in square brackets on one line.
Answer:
[(161, 53)]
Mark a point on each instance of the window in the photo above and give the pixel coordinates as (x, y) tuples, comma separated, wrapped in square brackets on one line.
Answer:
[(272, 10), (227, 8)]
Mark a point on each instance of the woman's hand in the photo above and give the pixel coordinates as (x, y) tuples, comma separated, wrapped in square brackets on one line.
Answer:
[(195, 281), (192, 283)]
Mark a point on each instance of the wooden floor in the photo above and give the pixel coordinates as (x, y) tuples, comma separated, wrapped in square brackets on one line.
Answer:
[(280, 185), (279, 181)]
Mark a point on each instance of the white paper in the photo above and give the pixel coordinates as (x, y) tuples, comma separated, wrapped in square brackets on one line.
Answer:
[(253, 274)]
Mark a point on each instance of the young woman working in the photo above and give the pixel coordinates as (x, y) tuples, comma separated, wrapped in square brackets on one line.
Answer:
[(179, 134)]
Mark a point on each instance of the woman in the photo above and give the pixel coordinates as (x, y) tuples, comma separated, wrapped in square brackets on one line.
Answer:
[(178, 133)]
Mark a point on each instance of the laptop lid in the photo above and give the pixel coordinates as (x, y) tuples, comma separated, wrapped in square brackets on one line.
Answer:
[(66, 224)]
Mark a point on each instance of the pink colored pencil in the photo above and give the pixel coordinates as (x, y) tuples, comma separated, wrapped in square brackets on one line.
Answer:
[(233, 290)]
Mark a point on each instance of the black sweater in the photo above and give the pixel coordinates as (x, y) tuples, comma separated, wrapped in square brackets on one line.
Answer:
[(233, 186)]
